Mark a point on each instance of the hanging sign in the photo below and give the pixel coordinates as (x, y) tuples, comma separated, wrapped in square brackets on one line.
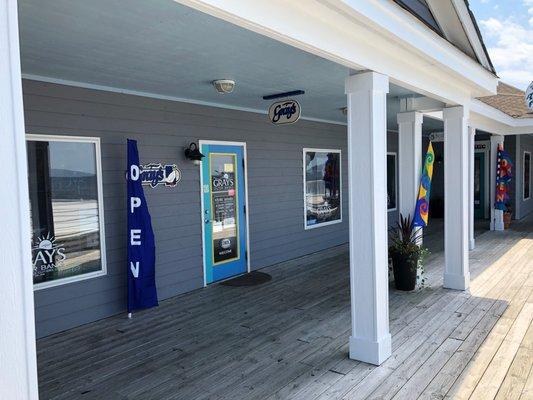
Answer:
[(436, 137), (142, 291), (155, 174), (284, 112), (529, 96)]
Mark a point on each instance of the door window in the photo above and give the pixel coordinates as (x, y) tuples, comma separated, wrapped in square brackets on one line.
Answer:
[(224, 200)]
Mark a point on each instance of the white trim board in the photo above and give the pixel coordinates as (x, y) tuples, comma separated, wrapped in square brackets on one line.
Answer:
[(101, 221), (492, 120)]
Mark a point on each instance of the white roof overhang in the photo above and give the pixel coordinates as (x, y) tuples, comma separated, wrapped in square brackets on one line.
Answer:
[(364, 34), (492, 120)]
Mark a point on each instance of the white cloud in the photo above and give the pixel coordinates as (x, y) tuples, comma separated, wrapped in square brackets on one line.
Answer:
[(529, 3), (511, 49)]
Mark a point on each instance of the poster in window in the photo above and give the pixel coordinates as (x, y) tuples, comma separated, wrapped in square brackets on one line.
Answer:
[(64, 210), (527, 175), (391, 182), (224, 206), (322, 185)]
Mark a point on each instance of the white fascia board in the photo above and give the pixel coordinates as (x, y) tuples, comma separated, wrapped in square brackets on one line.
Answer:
[(492, 120), (363, 35), (471, 32), (406, 27)]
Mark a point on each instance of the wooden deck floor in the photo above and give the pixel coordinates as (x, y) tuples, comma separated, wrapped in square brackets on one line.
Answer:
[(287, 339)]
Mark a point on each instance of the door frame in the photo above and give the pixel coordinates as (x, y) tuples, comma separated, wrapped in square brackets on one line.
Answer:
[(202, 208), (485, 150), (481, 214)]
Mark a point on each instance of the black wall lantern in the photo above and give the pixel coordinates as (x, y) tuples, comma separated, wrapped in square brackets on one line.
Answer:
[(192, 153)]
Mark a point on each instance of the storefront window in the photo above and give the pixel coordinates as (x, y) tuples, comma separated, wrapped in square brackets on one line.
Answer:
[(66, 209), (391, 182), (527, 175), (322, 187)]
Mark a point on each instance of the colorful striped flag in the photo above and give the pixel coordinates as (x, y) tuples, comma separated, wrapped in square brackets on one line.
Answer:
[(422, 205)]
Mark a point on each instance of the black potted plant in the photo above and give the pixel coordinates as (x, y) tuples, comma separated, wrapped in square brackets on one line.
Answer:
[(406, 253)]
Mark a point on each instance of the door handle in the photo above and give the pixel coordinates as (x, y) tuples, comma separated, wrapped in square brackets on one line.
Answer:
[(206, 221)]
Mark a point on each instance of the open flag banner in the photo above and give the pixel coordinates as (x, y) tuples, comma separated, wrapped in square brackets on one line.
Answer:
[(142, 291), (504, 174), (422, 205)]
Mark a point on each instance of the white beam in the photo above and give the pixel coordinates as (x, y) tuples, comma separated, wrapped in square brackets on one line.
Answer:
[(409, 159), (367, 148), (394, 45), (423, 104), (496, 216), (471, 151), (456, 155), (18, 366)]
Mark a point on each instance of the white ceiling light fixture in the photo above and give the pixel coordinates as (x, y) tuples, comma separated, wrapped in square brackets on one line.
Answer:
[(224, 86)]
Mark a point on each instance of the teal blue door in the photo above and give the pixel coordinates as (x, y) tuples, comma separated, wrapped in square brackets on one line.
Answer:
[(224, 211), (479, 185)]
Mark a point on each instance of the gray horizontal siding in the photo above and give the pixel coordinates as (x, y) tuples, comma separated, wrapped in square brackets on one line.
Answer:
[(163, 129)]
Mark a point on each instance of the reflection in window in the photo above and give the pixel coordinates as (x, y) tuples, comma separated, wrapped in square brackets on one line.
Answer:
[(391, 182), (64, 207), (322, 187)]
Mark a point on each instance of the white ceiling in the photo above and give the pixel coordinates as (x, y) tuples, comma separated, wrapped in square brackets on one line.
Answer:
[(164, 48)]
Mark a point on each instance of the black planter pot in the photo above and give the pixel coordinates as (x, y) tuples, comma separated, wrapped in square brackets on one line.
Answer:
[(404, 272)]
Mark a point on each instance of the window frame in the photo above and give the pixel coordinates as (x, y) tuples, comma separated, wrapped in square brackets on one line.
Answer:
[(524, 198), (395, 154), (317, 150), (100, 196)]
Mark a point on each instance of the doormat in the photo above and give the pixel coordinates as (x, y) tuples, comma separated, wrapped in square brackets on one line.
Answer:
[(251, 279)]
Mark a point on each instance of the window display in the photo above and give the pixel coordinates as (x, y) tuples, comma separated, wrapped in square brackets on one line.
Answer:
[(66, 209), (322, 187)]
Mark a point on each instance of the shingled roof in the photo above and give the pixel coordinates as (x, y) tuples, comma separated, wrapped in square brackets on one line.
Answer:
[(509, 100)]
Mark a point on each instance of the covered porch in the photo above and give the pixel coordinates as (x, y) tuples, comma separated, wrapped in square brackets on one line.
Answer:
[(288, 338), (101, 73)]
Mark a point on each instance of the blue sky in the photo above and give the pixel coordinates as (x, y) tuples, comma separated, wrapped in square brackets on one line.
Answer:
[(507, 28)]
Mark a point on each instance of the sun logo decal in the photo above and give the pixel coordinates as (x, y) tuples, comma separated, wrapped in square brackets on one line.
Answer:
[(47, 253)]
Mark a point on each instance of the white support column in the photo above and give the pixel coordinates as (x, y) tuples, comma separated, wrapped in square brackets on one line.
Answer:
[(367, 148), (18, 366), (409, 159), (456, 154), (471, 151), (496, 216)]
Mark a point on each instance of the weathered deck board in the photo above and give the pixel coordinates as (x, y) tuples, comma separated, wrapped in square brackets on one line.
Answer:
[(287, 339)]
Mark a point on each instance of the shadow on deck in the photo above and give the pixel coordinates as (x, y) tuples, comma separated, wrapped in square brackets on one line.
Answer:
[(288, 338)]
